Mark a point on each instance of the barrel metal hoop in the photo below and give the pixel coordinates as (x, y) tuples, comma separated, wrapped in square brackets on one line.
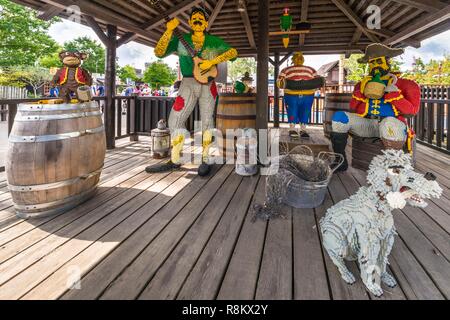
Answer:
[(54, 185), (54, 137), (23, 118), (55, 107), (77, 197)]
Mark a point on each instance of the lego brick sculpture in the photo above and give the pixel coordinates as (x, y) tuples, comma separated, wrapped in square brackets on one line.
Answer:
[(361, 228)]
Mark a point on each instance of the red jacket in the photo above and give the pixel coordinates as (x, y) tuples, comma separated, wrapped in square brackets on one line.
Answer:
[(80, 76), (406, 101)]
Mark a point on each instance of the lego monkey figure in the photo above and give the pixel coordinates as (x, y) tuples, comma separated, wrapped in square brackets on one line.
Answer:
[(72, 76)]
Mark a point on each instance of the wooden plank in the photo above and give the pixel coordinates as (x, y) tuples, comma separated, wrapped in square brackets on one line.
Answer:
[(134, 279), (275, 280), (211, 237), (34, 253), (310, 276), (426, 5), (99, 278), (215, 13), (39, 271), (424, 24), (107, 191), (157, 249), (247, 255), (55, 285)]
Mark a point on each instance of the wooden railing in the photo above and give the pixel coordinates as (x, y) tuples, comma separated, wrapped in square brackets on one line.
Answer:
[(432, 124)]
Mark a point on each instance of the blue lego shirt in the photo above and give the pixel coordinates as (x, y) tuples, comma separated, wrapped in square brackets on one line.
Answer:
[(380, 108)]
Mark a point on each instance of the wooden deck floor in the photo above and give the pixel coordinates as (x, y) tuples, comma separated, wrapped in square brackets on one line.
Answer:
[(179, 236)]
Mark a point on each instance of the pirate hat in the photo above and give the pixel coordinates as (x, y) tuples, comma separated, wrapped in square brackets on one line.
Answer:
[(376, 50)]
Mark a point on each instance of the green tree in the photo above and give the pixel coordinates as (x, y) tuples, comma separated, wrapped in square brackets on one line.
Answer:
[(355, 70), (23, 37), (52, 60), (159, 74), (20, 76), (240, 66), (95, 63), (127, 72)]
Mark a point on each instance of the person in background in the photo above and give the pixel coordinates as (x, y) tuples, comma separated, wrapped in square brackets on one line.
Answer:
[(128, 91), (54, 92), (174, 92), (137, 90), (100, 91)]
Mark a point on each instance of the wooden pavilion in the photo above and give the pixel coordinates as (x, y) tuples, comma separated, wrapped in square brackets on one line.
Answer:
[(179, 236)]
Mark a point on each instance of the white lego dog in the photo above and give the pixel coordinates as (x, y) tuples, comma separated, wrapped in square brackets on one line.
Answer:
[(362, 227)]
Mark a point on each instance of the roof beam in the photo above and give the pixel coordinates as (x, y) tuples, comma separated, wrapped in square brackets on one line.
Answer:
[(248, 27), (425, 5), (303, 18), (173, 11), (97, 29), (49, 12), (215, 13), (107, 16), (425, 23), (354, 18)]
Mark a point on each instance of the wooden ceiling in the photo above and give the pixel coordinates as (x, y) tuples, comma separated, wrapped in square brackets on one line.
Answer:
[(338, 26)]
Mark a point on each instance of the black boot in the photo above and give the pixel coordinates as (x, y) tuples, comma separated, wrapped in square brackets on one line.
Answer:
[(162, 167), (204, 169), (339, 142)]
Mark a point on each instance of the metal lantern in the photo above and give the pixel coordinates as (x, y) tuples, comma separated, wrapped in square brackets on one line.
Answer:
[(161, 140)]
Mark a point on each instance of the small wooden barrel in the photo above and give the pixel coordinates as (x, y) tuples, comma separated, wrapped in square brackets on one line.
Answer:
[(334, 102), (365, 149), (55, 157), (234, 111)]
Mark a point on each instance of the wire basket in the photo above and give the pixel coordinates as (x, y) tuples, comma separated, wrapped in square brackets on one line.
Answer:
[(309, 176)]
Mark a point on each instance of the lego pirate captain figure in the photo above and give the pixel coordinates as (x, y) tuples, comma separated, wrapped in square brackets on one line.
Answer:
[(381, 102), (213, 50), (299, 83)]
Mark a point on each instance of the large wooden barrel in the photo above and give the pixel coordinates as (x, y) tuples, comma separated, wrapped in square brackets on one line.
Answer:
[(234, 111), (55, 157), (334, 102)]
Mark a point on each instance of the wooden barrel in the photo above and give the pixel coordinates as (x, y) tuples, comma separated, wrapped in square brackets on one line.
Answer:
[(55, 157), (334, 102), (234, 111), (365, 149)]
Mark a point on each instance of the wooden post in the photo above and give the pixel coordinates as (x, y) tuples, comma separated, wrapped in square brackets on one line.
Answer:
[(262, 101), (276, 92), (110, 86), (12, 111)]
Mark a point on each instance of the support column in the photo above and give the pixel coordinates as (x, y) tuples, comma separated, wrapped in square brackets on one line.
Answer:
[(262, 100), (276, 92), (110, 86)]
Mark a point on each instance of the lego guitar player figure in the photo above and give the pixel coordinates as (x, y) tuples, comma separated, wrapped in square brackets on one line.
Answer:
[(71, 77), (381, 102), (299, 83), (199, 53)]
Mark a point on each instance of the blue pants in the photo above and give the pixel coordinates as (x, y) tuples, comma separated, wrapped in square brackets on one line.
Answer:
[(298, 107)]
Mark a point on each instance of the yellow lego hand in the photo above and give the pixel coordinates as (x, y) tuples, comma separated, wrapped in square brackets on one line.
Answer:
[(172, 24), (206, 64)]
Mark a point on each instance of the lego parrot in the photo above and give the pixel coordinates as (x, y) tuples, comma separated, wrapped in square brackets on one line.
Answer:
[(286, 25)]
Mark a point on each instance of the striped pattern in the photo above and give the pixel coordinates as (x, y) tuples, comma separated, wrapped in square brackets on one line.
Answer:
[(297, 73)]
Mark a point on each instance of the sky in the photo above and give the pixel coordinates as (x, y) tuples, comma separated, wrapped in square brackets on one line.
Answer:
[(137, 55)]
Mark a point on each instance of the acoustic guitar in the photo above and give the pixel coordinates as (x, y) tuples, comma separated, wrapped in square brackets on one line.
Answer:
[(202, 76)]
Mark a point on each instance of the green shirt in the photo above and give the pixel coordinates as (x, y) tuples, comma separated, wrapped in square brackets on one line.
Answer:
[(212, 47)]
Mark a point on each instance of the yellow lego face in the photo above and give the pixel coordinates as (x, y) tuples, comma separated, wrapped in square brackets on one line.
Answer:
[(380, 64), (298, 60), (198, 22)]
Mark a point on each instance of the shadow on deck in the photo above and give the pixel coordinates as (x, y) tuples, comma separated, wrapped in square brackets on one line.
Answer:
[(178, 236)]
